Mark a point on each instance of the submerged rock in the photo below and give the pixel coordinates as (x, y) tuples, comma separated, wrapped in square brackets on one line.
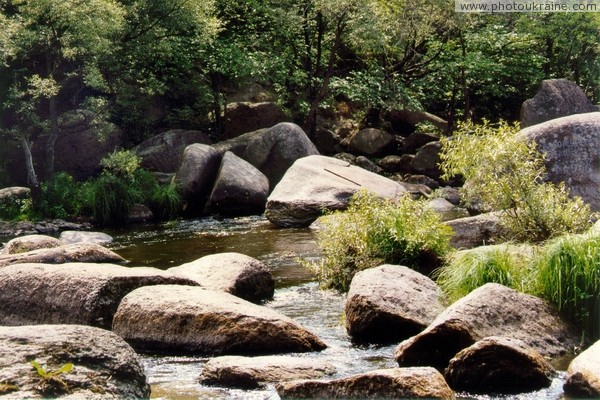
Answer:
[(499, 365), (254, 372), (194, 320), (72, 293), (390, 303), (393, 383), (104, 366), (491, 310)]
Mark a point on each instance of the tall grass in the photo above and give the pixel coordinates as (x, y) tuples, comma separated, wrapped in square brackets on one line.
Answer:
[(568, 276), (464, 271), (373, 231)]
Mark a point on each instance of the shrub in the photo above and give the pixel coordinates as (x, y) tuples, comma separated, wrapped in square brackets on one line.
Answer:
[(60, 197), (12, 209), (122, 163), (110, 199), (373, 231), (568, 276), (466, 270), (505, 173)]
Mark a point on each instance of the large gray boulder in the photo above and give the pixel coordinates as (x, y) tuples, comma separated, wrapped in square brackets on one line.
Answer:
[(196, 175), (372, 142), (555, 98), (254, 372), (390, 303), (14, 193), (243, 117), (104, 366), (446, 210), (74, 293), (427, 159), (271, 150), (239, 189), (570, 144), (583, 374), (317, 183), (234, 273), (76, 252), (479, 230), (27, 243), (194, 320), (491, 310), (393, 383), (163, 152), (499, 365)]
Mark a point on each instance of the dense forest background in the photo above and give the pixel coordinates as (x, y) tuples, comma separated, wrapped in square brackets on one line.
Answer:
[(148, 65)]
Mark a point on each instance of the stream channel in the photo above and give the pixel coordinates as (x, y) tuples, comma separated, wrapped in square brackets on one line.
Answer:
[(297, 295)]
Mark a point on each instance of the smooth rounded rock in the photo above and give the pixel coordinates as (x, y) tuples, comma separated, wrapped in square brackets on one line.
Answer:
[(76, 252), (176, 319), (69, 237), (583, 374), (27, 243)]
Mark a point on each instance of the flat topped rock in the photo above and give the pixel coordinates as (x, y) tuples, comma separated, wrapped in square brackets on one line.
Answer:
[(104, 366), (27, 243), (72, 293), (69, 237), (76, 252), (318, 183), (176, 319), (254, 372)]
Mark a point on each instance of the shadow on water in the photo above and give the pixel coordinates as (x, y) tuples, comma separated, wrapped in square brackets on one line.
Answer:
[(296, 295)]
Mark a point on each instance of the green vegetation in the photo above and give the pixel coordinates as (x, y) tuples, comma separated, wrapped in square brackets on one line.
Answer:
[(504, 173), (568, 276), (373, 231), (465, 271), (51, 379)]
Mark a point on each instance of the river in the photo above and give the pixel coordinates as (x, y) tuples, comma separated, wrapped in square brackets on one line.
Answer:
[(297, 295)]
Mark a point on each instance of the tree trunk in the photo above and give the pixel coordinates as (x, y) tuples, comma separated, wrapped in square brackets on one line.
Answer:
[(32, 180), (49, 167)]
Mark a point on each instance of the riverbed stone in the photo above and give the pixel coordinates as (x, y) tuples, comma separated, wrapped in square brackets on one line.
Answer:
[(196, 175), (27, 243), (239, 189), (69, 237), (175, 319), (499, 365), (446, 210), (234, 273), (372, 142), (390, 303), (490, 310), (479, 230), (272, 150), (76, 252), (14, 193), (315, 184), (583, 374), (569, 145), (555, 98), (392, 383), (72, 293), (254, 372), (104, 366), (163, 152)]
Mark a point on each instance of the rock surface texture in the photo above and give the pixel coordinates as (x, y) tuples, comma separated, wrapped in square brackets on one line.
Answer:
[(491, 310), (570, 144), (104, 366), (193, 320), (27, 243), (583, 374), (390, 303), (394, 383), (317, 183), (77, 252), (555, 98), (254, 372), (234, 273), (499, 365), (74, 293)]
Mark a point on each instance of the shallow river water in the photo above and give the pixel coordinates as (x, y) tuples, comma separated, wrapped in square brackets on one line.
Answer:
[(296, 295)]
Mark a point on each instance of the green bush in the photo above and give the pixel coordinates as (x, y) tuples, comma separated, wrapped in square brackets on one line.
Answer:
[(60, 197), (465, 271), (568, 276), (110, 198), (505, 173), (373, 231), (16, 209)]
